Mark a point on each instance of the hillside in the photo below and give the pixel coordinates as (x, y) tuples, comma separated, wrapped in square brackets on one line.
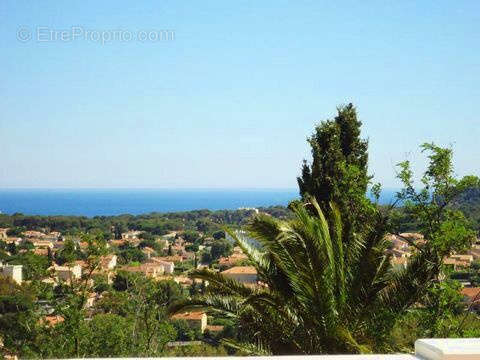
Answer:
[(469, 203)]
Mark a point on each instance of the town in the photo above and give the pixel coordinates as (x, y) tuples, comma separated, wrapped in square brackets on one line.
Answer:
[(164, 259), (170, 258)]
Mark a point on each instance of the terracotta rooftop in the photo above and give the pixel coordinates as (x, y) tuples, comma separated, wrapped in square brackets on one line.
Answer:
[(197, 315), (41, 252), (53, 320), (173, 258), (241, 270), (471, 293), (399, 260), (412, 236)]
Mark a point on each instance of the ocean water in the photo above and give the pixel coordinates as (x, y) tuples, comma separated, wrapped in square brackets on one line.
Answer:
[(93, 202)]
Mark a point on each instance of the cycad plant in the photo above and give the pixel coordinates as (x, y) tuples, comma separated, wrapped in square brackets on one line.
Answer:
[(311, 297)]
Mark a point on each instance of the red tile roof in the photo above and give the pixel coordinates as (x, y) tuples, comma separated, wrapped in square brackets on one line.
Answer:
[(471, 293), (53, 320), (241, 270), (194, 315)]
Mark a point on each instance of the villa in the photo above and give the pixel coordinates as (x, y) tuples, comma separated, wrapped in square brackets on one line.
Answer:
[(243, 274)]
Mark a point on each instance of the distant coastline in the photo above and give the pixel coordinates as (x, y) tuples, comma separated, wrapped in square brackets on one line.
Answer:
[(104, 202)]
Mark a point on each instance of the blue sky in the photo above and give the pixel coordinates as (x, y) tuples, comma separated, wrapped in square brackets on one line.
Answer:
[(230, 101)]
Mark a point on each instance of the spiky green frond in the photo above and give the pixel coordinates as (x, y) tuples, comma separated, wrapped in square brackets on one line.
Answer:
[(320, 295)]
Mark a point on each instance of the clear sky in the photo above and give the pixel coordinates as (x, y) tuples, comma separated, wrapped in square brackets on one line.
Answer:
[(230, 101)]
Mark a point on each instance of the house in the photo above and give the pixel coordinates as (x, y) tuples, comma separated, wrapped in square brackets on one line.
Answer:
[(3, 233), (108, 262), (454, 264), (458, 261), (13, 240), (195, 320), (188, 255), (168, 266), (52, 320), (68, 273), (471, 297), (467, 258), (172, 258), (58, 245), (399, 262), (171, 235), (118, 242), (232, 260), (83, 245), (243, 274), (148, 269), (475, 252), (400, 244), (50, 281), (91, 298), (33, 234), (162, 243), (12, 271), (214, 328), (41, 252), (53, 236), (43, 244), (82, 263), (399, 253), (132, 234), (183, 280), (412, 236), (148, 251)]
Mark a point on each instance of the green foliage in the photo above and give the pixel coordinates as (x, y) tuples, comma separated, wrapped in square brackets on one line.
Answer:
[(192, 248), (196, 350), (309, 305), (445, 228), (184, 332), (18, 316), (191, 236), (217, 235), (129, 253), (34, 266), (442, 303), (26, 245), (221, 248), (16, 231), (338, 171), (205, 257), (109, 335), (205, 221), (69, 253), (152, 243), (327, 285)]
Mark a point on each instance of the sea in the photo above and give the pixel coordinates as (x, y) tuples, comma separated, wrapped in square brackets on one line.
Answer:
[(105, 202)]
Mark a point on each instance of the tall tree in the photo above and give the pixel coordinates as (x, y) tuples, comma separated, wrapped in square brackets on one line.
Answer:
[(338, 171)]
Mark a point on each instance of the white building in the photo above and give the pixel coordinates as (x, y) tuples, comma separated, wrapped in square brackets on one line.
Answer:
[(109, 262), (168, 266), (68, 273), (12, 271)]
